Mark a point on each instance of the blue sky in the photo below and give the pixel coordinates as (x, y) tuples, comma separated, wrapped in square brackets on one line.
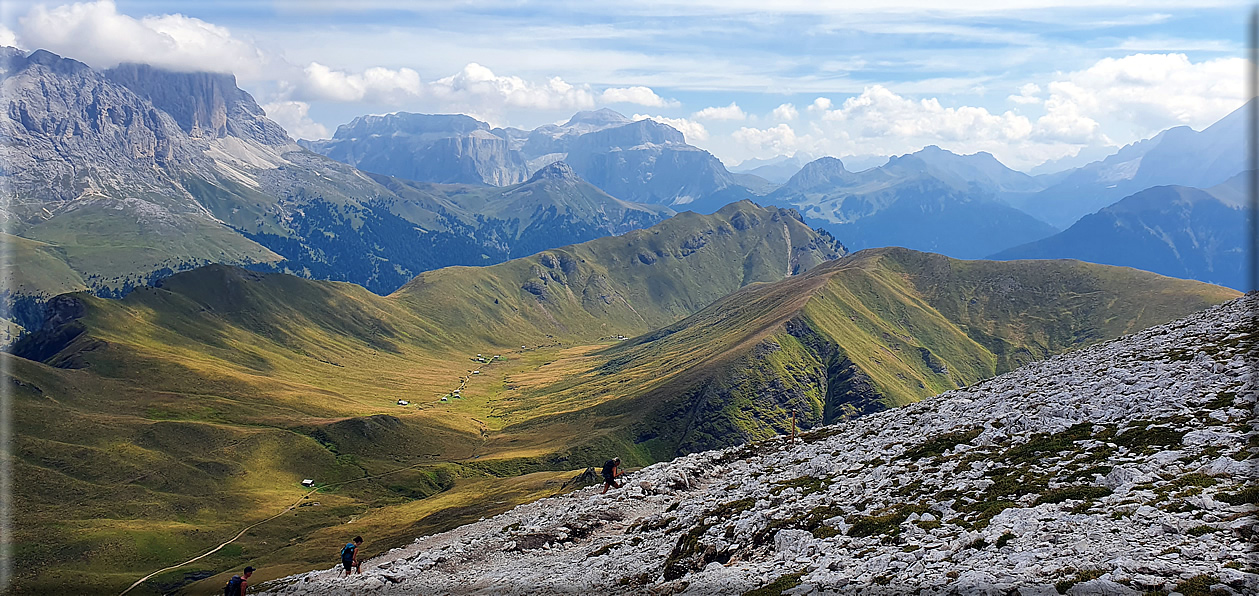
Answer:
[(1033, 81)]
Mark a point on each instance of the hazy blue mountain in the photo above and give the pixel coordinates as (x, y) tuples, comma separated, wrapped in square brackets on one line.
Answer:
[(553, 139), (1177, 156), (555, 207), (1170, 230), (642, 161), (445, 148), (777, 169), (914, 202), (757, 185), (980, 171), (650, 162)]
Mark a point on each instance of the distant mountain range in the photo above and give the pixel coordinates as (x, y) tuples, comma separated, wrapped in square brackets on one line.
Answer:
[(1177, 156), (1171, 230), (932, 200), (450, 149), (776, 169), (124, 176), (643, 161)]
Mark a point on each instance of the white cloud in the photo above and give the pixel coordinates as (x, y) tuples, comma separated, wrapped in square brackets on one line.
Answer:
[(1027, 94), (374, 85), (730, 112), (8, 37), (479, 85), (880, 112), (785, 112), (293, 116), (691, 130), (96, 33), (1064, 120), (1151, 91), (820, 104), (640, 95), (777, 140)]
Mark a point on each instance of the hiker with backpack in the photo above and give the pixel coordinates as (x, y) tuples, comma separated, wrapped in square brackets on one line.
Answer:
[(349, 556), (236, 585), (611, 471)]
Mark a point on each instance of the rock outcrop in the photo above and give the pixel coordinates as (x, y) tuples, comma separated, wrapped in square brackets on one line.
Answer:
[(449, 149), (1118, 469)]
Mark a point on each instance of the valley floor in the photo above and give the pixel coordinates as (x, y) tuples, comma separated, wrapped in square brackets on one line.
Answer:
[(1118, 469)]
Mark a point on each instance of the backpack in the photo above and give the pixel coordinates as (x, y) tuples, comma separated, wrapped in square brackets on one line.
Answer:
[(347, 551), (607, 468), (233, 586)]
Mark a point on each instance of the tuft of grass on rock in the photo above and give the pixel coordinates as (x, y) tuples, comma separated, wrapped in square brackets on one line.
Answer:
[(1072, 493), (778, 586), (1080, 576)]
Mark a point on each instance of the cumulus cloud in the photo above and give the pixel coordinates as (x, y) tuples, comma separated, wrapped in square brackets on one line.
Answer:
[(1063, 120), (777, 140), (730, 112), (1151, 91), (8, 37), (294, 117), (96, 33), (1027, 94), (880, 112), (376, 85), (785, 112), (479, 85), (691, 130), (642, 96), (820, 104)]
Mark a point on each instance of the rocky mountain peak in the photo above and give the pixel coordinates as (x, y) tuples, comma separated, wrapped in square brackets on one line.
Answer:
[(57, 64), (600, 117), (558, 171), (407, 123), (820, 172), (205, 104)]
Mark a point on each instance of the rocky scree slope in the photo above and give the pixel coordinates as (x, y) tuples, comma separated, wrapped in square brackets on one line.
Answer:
[(1117, 469)]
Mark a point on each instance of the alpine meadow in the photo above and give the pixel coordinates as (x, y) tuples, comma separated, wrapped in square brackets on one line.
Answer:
[(655, 298)]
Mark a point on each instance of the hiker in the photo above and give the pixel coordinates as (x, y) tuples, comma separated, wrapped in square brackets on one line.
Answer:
[(349, 555), (611, 471), (236, 585)]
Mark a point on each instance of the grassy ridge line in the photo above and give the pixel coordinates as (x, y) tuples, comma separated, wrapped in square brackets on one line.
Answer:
[(876, 329)]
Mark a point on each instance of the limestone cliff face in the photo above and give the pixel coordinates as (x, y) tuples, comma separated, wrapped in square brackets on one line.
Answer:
[(68, 130), (648, 162), (206, 105), (448, 149)]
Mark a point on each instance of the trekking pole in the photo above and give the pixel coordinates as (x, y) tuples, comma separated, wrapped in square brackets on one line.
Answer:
[(793, 427)]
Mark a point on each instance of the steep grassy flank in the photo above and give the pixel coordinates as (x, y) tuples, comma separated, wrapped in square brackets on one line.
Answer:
[(154, 426), (619, 285), (44, 268), (880, 328)]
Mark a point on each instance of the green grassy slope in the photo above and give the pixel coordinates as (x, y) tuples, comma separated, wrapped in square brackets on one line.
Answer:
[(181, 413), (153, 427), (880, 328)]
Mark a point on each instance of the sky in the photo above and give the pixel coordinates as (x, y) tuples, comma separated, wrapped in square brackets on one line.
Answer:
[(1040, 84)]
